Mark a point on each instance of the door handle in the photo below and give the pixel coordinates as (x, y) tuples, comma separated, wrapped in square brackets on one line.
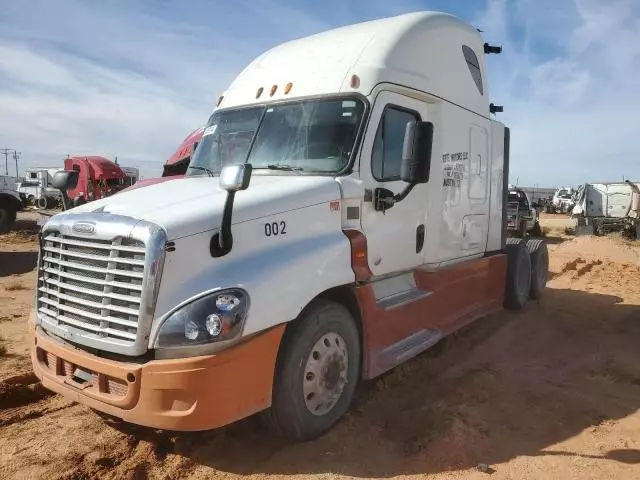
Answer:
[(419, 238)]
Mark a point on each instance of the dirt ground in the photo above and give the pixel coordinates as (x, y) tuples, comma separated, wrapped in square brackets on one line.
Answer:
[(551, 392)]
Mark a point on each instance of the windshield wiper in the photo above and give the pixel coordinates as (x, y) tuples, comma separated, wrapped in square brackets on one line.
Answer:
[(204, 169), (287, 168)]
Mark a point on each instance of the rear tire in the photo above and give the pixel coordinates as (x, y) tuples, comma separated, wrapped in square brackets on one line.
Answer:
[(317, 372), (539, 266), (43, 203), (8, 215), (518, 283)]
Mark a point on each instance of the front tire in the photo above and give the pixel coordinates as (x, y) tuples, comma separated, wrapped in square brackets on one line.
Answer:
[(317, 372)]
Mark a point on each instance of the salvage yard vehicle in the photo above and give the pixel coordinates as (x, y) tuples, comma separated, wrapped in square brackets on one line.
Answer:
[(343, 212), (603, 208), (10, 202), (36, 187), (562, 200), (522, 215)]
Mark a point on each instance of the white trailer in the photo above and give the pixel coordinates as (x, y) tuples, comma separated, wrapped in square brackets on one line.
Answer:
[(343, 212), (132, 175), (607, 207)]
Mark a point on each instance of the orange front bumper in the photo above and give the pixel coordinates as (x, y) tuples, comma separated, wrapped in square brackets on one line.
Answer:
[(198, 393)]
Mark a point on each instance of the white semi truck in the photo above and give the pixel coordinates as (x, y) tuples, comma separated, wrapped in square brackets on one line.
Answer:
[(343, 212), (36, 187)]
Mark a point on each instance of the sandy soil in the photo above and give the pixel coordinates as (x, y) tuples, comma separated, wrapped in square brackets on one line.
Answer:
[(551, 392)]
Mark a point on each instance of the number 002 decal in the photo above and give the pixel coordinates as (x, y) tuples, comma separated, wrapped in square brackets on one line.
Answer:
[(275, 228)]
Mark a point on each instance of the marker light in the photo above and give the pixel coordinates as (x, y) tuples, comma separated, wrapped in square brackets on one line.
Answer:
[(259, 92), (191, 330), (219, 100), (273, 89), (287, 88), (355, 81)]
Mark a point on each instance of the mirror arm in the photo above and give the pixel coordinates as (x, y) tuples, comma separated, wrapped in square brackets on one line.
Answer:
[(222, 241), (402, 195), (385, 199)]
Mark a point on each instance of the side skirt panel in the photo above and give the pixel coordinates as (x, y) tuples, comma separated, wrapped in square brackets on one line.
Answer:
[(404, 316)]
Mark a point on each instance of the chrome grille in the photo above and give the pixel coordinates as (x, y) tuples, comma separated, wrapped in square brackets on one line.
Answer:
[(92, 286)]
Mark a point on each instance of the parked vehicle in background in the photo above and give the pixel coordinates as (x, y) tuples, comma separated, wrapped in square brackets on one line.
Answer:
[(10, 202), (132, 174), (98, 177), (343, 212), (562, 201), (602, 208), (36, 187), (522, 215), (179, 160), (177, 164)]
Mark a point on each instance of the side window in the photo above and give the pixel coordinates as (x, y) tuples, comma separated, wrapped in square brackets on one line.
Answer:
[(474, 66), (386, 157)]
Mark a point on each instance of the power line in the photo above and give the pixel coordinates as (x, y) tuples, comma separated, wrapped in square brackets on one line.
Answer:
[(16, 156)]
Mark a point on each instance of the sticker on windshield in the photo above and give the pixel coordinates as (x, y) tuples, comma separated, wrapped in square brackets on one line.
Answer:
[(210, 130)]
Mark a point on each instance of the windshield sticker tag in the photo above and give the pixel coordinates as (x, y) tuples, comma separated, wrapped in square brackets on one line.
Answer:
[(210, 130)]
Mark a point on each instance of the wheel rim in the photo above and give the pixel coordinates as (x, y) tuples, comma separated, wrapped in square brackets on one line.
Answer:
[(325, 374)]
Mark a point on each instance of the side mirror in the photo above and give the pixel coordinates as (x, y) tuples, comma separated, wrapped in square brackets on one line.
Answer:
[(416, 152), (65, 179), (235, 177)]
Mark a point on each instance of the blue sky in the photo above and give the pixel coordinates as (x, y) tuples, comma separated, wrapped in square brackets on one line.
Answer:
[(131, 78)]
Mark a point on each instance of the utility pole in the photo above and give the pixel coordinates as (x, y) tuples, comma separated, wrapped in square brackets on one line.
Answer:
[(5, 152), (16, 156)]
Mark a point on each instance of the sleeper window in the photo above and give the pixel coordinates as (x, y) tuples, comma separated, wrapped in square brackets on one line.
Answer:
[(386, 157)]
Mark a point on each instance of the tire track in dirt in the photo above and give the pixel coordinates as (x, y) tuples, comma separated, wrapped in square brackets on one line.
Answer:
[(22, 397)]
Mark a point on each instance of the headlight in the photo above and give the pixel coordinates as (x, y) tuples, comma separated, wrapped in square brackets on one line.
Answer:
[(217, 317)]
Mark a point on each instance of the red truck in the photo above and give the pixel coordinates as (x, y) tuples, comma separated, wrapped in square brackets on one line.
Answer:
[(98, 177), (178, 162)]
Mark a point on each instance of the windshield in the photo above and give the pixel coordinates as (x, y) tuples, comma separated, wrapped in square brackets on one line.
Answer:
[(308, 135)]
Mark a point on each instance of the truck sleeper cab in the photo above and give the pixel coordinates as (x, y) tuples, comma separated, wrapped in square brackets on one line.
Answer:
[(343, 212)]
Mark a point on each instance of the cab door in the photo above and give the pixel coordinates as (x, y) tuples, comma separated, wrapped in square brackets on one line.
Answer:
[(396, 236)]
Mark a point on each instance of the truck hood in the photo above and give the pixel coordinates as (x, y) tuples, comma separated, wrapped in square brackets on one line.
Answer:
[(191, 205)]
